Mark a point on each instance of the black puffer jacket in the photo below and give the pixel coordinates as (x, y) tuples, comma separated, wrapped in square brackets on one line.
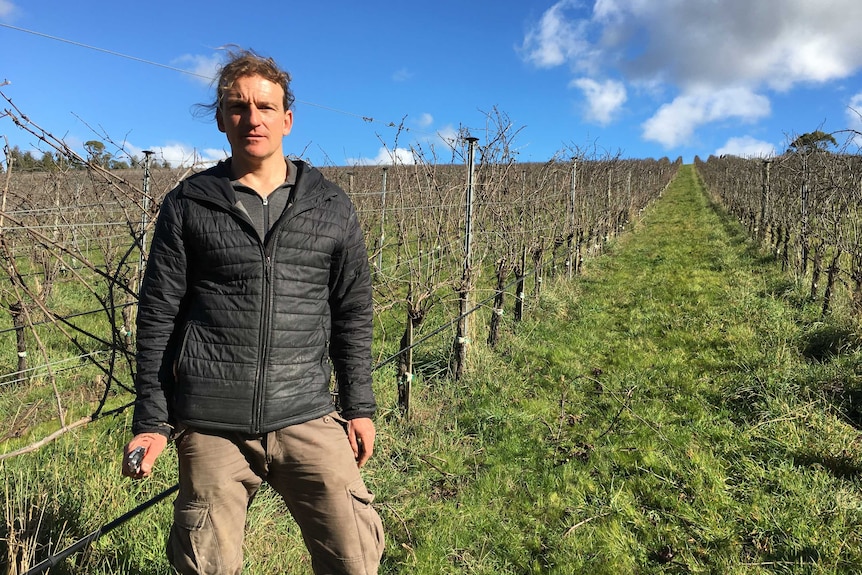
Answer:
[(237, 335)]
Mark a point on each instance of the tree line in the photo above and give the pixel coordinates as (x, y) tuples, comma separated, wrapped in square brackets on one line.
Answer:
[(96, 153)]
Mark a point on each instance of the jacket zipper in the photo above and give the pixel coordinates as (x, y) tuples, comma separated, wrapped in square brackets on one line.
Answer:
[(268, 249), (265, 321), (263, 342)]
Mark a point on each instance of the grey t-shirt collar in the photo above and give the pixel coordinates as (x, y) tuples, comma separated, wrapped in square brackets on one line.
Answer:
[(265, 212)]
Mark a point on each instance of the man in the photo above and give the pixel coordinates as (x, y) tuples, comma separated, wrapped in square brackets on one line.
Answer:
[(257, 277)]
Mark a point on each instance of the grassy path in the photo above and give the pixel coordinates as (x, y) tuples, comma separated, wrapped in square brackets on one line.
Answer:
[(657, 416)]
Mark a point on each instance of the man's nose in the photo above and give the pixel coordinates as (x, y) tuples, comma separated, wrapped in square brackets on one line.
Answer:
[(254, 115)]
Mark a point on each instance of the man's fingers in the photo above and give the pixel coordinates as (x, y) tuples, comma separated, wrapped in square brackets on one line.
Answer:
[(141, 452)]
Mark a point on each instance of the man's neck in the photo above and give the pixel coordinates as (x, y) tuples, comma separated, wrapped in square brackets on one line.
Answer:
[(263, 177)]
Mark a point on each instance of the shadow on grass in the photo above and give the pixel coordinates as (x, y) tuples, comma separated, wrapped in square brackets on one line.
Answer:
[(846, 397), (825, 341), (840, 467), (49, 528), (32, 538)]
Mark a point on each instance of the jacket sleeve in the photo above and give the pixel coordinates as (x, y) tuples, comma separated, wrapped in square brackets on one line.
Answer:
[(159, 303), (352, 320)]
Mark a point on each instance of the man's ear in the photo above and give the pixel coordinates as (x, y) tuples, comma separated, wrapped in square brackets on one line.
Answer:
[(288, 122), (219, 120)]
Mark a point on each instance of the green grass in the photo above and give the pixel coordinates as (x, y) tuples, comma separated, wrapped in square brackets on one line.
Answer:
[(678, 408)]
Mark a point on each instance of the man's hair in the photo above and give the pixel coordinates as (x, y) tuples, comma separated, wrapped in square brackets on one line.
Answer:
[(242, 63)]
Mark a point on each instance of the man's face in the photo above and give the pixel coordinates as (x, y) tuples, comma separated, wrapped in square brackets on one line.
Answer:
[(253, 118)]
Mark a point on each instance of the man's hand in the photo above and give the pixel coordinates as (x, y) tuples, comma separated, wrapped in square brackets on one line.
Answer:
[(153, 445), (361, 434)]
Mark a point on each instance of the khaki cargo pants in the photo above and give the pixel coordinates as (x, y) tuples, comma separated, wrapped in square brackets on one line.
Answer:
[(310, 465)]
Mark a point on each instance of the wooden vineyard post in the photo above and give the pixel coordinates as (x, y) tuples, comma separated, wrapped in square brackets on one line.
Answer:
[(520, 273), (16, 310), (382, 221), (128, 311), (499, 300), (405, 366), (459, 345), (128, 315), (521, 269), (537, 270), (804, 227), (630, 197), (579, 250), (144, 216), (570, 255), (831, 276), (856, 277), (764, 200)]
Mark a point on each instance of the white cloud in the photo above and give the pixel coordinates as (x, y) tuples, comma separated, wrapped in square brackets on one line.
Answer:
[(7, 9), (427, 145), (746, 147), (854, 112), (693, 47), (448, 136), (385, 157), (604, 99), (854, 119), (425, 120), (775, 43), (402, 75), (556, 39), (441, 147), (205, 68), (212, 155), (675, 123), (180, 155)]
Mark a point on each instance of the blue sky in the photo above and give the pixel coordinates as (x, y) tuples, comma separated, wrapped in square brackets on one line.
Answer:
[(639, 78)]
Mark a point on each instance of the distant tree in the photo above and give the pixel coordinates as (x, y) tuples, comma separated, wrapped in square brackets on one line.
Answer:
[(96, 153), (813, 142), (22, 161), (48, 162)]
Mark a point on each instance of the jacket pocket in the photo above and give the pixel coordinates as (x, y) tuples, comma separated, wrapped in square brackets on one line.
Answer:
[(324, 348), (181, 352)]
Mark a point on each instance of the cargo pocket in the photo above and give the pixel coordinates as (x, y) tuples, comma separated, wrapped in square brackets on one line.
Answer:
[(368, 525), (192, 544)]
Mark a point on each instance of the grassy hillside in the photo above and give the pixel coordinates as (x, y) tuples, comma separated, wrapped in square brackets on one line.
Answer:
[(679, 408)]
